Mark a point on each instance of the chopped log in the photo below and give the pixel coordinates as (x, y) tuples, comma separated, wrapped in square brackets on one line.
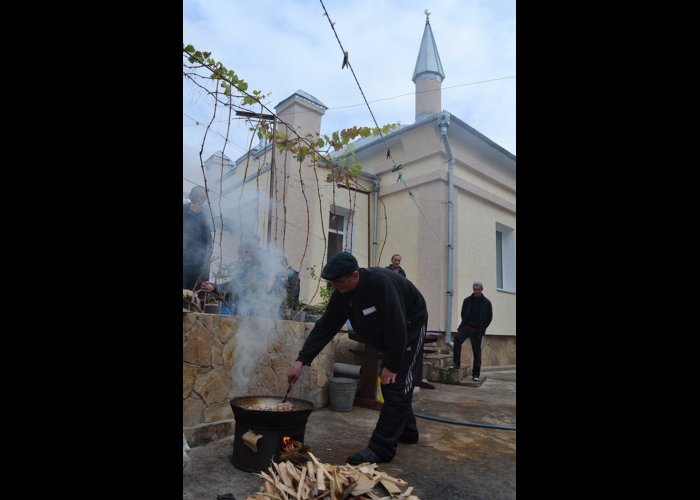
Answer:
[(366, 468), (320, 479), (390, 487), (397, 481), (301, 479), (363, 485), (372, 496), (347, 491), (406, 493), (293, 471), (284, 475)]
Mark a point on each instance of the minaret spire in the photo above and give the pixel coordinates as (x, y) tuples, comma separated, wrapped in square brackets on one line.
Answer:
[(428, 74)]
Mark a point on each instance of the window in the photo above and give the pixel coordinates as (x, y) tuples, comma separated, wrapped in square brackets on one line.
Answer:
[(505, 258), (339, 236)]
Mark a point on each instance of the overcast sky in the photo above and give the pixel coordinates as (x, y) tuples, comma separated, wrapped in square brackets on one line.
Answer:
[(281, 46)]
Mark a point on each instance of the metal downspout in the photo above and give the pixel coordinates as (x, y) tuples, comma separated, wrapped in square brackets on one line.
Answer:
[(375, 189), (444, 124)]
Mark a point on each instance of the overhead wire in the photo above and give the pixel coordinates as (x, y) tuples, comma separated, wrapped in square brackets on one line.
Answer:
[(424, 92), (346, 62)]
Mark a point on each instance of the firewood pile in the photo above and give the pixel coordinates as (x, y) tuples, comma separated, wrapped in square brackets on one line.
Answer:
[(314, 481)]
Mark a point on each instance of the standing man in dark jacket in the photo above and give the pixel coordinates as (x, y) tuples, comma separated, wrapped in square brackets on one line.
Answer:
[(196, 241), (388, 313), (396, 265), (477, 314)]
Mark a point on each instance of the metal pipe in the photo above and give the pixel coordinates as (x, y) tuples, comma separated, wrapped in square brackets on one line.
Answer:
[(375, 188), (347, 370), (444, 124)]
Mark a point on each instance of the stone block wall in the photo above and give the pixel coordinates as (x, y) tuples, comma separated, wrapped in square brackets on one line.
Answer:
[(496, 350), (224, 357), (232, 356)]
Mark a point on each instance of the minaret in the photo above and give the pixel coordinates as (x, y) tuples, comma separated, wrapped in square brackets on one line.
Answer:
[(428, 75)]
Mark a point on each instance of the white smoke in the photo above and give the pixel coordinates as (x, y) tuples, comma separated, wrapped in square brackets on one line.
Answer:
[(258, 283)]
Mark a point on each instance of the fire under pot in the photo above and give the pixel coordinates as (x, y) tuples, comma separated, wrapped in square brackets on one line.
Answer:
[(259, 435)]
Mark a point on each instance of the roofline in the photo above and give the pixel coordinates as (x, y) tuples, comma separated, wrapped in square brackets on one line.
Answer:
[(434, 118)]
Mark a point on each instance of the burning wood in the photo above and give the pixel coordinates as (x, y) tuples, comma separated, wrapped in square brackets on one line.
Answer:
[(295, 452), (314, 480)]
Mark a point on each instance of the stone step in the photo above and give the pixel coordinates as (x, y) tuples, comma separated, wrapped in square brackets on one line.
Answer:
[(449, 375), (438, 360)]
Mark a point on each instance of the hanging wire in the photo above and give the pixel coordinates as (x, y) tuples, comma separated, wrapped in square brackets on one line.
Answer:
[(346, 62)]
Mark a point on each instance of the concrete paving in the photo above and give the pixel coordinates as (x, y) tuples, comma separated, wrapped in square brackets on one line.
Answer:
[(453, 459)]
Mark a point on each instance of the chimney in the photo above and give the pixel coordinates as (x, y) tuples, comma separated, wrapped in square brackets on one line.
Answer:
[(302, 111)]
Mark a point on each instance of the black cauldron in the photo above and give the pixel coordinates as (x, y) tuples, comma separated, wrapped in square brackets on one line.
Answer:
[(272, 425)]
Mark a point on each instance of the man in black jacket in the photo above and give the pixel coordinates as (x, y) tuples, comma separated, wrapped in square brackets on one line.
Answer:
[(477, 314), (389, 313), (196, 240), (396, 265)]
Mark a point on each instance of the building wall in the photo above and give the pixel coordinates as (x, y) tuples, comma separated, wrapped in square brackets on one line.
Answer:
[(484, 196)]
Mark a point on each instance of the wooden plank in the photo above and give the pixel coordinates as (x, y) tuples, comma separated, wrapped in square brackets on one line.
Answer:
[(302, 476), (390, 487), (320, 479), (363, 485), (293, 470)]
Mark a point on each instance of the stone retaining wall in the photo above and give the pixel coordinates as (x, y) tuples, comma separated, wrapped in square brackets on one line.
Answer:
[(231, 356)]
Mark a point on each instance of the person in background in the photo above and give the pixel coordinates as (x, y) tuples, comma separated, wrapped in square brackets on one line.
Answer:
[(245, 292), (288, 280), (389, 313), (196, 241), (477, 314), (396, 265)]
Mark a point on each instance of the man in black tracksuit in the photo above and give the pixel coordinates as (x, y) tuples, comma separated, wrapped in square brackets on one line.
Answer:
[(389, 313)]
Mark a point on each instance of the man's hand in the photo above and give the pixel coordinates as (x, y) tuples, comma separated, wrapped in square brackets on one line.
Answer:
[(295, 372), (388, 377), (206, 286)]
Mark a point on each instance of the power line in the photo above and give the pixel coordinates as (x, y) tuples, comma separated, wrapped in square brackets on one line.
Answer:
[(346, 62), (423, 92)]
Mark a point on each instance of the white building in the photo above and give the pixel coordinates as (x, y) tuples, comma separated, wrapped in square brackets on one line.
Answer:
[(444, 198)]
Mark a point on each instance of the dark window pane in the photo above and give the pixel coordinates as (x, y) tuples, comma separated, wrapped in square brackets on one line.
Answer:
[(336, 222)]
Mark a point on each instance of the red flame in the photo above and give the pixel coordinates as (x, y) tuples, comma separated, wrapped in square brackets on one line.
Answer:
[(291, 445)]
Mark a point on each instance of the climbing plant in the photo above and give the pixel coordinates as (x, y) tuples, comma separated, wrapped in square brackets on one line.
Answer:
[(309, 150)]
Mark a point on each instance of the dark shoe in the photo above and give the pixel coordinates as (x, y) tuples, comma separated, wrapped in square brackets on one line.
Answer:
[(411, 440), (366, 455), (455, 367)]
